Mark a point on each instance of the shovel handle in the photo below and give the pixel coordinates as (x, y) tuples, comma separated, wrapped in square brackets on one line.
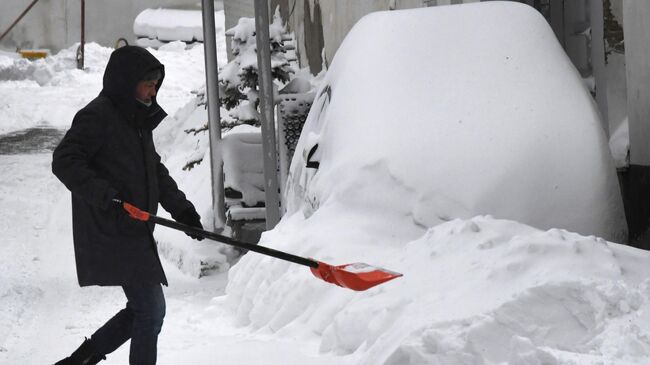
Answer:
[(141, 215)]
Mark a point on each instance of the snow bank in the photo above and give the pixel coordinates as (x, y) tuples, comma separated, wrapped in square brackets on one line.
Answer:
[(174, 25), (509, 293), (6, 58), (62, 89), (48, 91), (55, 70), (416, 143), (474, 291), (59, 73)]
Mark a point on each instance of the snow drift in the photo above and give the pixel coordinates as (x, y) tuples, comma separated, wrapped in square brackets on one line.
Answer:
[(417, 142), (29, 89)]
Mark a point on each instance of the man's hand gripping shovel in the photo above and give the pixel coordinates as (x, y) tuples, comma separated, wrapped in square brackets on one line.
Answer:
[(356, 276)]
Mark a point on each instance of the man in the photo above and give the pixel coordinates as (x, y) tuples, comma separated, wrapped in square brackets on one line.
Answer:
[(106, 156)]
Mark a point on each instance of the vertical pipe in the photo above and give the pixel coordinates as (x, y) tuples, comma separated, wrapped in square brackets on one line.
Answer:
[(214, 119), (597, 56), (80, 56), (266, 106)]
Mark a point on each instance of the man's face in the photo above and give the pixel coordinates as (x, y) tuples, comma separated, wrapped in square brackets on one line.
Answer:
[(145, 90)]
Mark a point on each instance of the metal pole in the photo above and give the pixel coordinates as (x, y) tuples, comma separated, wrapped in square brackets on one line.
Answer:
[(266, 106), (598, 65), (214, 119), (18, 19), (80, 60)]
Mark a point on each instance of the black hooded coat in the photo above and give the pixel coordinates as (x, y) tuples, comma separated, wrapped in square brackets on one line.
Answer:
[(107, 152)]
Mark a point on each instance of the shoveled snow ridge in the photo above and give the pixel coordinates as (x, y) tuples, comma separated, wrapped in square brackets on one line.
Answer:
[(480, 290)]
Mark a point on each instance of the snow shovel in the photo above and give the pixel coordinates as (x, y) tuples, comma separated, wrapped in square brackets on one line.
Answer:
[(356, 276)]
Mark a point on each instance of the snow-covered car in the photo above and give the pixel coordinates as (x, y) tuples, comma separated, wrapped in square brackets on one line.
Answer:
[(459, 146), (463, 119)]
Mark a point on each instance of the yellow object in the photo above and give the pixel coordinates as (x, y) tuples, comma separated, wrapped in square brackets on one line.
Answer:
[(33, 54)]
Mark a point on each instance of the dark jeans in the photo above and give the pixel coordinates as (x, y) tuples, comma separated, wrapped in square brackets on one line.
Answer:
[(140, 321)]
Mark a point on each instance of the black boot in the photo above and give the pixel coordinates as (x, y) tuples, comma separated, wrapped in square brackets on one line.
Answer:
[(84, 355)]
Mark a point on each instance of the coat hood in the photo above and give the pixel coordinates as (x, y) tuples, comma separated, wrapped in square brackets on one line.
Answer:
[(126, 66)]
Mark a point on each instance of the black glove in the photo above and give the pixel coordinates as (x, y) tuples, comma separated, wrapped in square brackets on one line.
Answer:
[(191, 218)]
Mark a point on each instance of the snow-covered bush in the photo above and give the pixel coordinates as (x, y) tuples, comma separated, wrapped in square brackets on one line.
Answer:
[(238, 83)]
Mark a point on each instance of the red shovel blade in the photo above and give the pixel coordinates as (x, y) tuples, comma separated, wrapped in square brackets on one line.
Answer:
[(357, 276), (136, 213)]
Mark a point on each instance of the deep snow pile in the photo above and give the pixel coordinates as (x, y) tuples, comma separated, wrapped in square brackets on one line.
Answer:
[(474, 291), (50, 91), (7, 58), (416, 143), (60, 69)]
